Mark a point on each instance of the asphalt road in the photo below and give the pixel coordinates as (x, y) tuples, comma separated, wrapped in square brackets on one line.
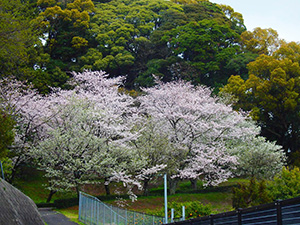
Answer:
[(54, 218)]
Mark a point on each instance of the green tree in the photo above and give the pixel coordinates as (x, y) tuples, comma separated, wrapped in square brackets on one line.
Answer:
[(6, 139), (271, 93), (236, 19), (21, 50), (251, 194), (207, 46), (122, 32), (17, 37), (6, 133), (261, 41), (259, 159), (286, 184), (128, 37), (64, 25)]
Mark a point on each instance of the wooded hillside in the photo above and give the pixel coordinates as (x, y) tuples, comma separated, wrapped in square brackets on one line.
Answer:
[(42, 41)]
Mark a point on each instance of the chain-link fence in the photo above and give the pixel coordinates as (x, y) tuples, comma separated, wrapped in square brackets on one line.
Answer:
[(93, 211)]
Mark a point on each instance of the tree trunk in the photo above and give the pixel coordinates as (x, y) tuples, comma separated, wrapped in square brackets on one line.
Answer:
[(194, 184), (106, 186), (50, 195), (14, 171), (173, 185), (146, 187), (77, 190)]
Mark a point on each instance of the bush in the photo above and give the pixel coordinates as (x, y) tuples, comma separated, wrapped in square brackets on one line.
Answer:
[(286, 184), (65, 203), (193, 209), (251, 194)]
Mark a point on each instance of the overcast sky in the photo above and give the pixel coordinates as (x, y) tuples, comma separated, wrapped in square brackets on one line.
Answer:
[(280, 15)]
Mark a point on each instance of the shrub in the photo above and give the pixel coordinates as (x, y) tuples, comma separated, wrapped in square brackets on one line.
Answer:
[(65, 203), (286, 184), (196, 209), (251, 194), (193, 209)]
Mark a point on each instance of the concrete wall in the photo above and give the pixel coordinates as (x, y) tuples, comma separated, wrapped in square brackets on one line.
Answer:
[(16, 208)]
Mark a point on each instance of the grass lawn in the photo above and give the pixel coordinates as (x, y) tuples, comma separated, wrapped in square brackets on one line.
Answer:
[(32, 184), (71, 213), (219, 199)]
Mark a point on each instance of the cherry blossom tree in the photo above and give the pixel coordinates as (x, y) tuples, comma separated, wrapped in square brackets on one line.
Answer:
[(99, 126), (259, 158), (27, 108), (77, 128), (154, 150), (198, 126), (95, 131), (74, 152)]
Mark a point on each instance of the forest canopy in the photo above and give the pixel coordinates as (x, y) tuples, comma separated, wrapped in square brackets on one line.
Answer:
[(43, 41)]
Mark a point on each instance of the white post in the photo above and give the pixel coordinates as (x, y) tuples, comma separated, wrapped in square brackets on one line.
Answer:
[(172, 215), (166, 200), (183, 212)]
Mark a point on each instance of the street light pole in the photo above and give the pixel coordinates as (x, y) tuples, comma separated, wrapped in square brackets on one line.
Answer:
[(166, 200)]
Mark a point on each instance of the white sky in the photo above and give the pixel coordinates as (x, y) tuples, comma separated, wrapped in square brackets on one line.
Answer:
[(280, 15)]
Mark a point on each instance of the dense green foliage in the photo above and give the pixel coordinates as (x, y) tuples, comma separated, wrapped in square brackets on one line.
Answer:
[(49, 38), (141, 37), (6, 139), (271, 93), (284, 186), (6, 133), (193, 209), (17, 37), (251, 194)]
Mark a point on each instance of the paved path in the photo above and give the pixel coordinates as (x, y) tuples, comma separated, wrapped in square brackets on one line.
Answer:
[(54, 218)]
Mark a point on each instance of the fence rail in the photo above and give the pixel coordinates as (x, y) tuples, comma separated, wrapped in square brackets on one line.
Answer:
[(286, 212), (94, 212)]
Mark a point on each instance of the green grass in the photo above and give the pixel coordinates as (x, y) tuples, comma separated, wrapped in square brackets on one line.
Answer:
[(218, 197), (32, 184), (219, 200), (71, 213)]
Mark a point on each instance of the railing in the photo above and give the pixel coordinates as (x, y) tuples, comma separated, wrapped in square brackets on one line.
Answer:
[(286, 212), (94, 212)]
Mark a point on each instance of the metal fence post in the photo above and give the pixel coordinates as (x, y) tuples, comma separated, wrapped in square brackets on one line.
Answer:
[(92, 210), (83, 210), (111, 214), (183, 212), (97, 212), (103, 215), (134, 218), (80, 205), (117, 214), (239, 212), (211, 219), (279, 213)]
